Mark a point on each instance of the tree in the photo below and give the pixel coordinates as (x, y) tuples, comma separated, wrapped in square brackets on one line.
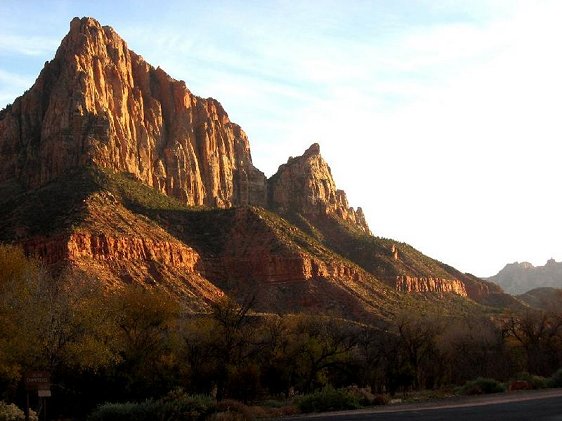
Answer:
[(417, 348), (381, 360), (145, 322), (319, 347), (222, 350), (473, 347), (17, 273), (540, 335), (59, 324)]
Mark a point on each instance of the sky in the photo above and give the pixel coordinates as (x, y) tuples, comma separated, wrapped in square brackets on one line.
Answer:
[(440, 118)]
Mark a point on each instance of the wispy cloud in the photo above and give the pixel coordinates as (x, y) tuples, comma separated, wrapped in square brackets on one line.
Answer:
[(26, 45), (12, 85)]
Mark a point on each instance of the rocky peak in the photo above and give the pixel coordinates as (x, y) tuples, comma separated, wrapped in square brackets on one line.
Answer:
[(99, 103), (551, 262), (305, 185), (313, 150)]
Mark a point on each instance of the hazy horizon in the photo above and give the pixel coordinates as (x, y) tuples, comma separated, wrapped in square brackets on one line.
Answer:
[(440, 120)]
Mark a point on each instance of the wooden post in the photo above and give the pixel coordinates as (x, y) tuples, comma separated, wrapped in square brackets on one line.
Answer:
[(27, 406)]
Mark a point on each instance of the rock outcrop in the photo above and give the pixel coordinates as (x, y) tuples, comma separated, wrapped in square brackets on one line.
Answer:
[(249, 251), (305, 185), (428, 284), (256, 250), (97, 102), (122, 247)]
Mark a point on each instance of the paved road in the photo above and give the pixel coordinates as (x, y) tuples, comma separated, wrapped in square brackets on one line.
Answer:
[(535, 406)]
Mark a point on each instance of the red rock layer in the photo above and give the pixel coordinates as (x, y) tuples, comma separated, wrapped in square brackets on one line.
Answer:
[(481, 290), (103, 247), (266, 267), (117, 259), (429, 284)]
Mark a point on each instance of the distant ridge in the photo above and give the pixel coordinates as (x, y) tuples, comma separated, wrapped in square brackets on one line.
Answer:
[(518, 278)]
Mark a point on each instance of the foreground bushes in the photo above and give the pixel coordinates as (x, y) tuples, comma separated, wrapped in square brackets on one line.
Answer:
[(328, 399), (482, 386), (531, 381), (556, 379), (177, 405), (10, 412)]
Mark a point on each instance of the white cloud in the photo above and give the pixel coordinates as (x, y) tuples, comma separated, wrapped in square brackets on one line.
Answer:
[(26, 45), (12, 85)]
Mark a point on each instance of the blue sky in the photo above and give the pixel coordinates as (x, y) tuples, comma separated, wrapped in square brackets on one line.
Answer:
[(442, 119)]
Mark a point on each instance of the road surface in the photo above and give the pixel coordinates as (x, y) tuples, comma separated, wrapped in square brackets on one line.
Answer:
[(528, 405)]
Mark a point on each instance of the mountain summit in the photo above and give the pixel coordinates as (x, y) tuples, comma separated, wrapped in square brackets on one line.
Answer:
[(99, 103), (113, 169), (305, 185)]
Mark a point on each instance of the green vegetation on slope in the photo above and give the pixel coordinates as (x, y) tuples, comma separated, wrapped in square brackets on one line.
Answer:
[(53, 208), (71, 203)]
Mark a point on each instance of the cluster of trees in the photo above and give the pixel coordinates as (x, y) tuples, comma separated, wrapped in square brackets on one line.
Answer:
[(133, 343)]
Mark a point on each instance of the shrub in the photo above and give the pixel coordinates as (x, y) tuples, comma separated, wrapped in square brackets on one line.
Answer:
[(230, 409), (381, 399), (481, 386), (176, 405), (272, 403), (180, 405), (328, 399), (128, 411), (366, 397), (556, 379), (536, 382), (10, 412), (363, 395)]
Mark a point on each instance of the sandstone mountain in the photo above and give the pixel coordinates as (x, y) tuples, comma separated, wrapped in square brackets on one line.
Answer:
[(99, 103), (112, 169), (518, 278)]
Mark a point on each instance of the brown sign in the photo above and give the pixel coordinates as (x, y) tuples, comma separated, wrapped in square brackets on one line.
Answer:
[(38, 380)]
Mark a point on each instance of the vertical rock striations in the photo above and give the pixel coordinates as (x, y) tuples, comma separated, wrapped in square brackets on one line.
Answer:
[(97, 102), (305, 185), (423, 284)]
